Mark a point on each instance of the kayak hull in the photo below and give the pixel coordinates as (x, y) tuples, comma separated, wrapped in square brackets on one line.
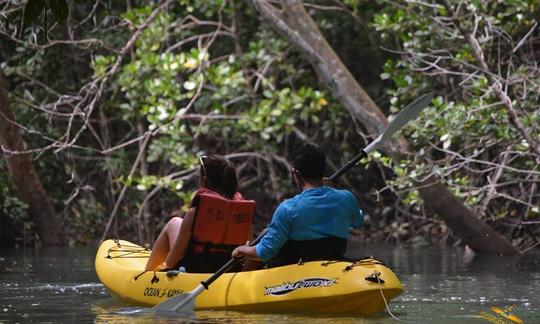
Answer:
[(328, 287)]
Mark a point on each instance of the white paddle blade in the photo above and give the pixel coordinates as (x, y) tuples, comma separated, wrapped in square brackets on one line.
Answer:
[(407, 114), (183, 303)]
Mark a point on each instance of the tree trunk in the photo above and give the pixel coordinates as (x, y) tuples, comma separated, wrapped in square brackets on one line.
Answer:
[(24, 176), (8, 232), (295, 25)]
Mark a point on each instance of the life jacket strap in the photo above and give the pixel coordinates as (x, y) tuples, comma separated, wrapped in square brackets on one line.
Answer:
[(210, 247)]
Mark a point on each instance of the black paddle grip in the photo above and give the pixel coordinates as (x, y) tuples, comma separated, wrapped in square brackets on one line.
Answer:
[(349, 165)]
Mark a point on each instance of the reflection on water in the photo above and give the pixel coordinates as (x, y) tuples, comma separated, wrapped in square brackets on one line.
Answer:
[(444, 286), (127, 314)]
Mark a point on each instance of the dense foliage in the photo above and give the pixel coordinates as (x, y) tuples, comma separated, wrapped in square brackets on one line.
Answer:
[(208, 77)]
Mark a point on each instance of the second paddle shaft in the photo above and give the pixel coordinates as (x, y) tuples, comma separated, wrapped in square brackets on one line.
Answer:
[(229, 264), (349, 165), (396, 124)]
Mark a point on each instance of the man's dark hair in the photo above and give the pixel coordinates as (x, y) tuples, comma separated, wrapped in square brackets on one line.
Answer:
[(310, 162)]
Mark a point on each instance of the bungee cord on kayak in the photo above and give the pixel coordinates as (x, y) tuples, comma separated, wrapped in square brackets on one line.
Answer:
[(128, 251)]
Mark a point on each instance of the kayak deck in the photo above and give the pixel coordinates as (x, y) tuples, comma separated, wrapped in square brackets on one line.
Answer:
[(328, 287)]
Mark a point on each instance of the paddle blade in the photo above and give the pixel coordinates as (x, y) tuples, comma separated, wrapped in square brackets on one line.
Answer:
[(407, 114), (182, 303), (404, 116)]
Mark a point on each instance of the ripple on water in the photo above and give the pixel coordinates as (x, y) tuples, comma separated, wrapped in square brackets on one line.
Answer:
[(64, 287), (440, 287)]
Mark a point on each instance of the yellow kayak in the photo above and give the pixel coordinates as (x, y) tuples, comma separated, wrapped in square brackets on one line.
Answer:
[(329, 287), (507, 313)]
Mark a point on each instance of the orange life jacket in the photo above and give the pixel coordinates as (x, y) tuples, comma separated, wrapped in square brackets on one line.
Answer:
[(220, 224)]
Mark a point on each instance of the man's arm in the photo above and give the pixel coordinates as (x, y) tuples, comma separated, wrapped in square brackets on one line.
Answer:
[(273, 240), (356, 213)]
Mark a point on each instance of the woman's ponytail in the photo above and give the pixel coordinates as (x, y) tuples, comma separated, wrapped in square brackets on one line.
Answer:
[(229, 181)]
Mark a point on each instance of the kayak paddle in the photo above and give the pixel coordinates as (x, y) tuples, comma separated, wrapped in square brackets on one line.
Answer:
[(404, 116), (185, 302)]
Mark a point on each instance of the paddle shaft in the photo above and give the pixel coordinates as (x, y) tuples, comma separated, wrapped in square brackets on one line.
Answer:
[(404, 116), (186, 300), (347, 166), (229, 264), (396, 124)]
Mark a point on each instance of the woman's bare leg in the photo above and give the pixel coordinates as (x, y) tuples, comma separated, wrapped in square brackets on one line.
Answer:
[(164, 242)]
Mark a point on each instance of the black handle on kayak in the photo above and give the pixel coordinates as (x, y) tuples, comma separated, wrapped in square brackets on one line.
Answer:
[(349, 165), (229, 264)]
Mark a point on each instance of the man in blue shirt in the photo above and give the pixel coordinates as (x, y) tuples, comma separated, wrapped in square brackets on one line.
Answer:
[(313, 225)]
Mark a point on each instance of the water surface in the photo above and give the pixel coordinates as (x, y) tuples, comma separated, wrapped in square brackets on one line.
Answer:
[(441, 285)]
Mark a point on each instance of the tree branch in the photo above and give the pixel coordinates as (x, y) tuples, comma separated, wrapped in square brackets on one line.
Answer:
[(494, 82)]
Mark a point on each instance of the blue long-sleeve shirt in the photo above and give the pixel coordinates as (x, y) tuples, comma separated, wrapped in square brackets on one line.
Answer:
[(313, 214)]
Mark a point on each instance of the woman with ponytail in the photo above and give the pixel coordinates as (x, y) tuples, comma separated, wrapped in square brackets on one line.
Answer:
[(218, 220)]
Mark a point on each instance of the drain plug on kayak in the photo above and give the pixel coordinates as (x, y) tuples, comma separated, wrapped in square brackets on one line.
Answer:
[(374, 277)]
